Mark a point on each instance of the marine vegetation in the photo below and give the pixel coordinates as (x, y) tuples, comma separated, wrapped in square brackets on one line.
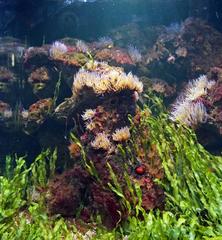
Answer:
[(191, 184)]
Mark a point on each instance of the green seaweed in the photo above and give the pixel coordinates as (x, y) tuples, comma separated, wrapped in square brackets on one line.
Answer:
[(87, 163), (192, 186), (56, 91)]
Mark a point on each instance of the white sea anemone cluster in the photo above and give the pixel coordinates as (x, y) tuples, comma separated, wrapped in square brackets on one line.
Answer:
[(7, 113), (57, 49), (121, 135), (82, 46), (105, 42), (198, 88), (90, 125), (134, 53), (101, 141), (108, 81), (188, 109), (88, 114), (189, 113), (25, 114), (90, 234)]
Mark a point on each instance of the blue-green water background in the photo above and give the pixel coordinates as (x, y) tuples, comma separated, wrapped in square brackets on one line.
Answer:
[(35, 21)]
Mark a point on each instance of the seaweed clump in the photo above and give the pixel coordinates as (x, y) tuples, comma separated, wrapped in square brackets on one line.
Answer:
[(192, 180)]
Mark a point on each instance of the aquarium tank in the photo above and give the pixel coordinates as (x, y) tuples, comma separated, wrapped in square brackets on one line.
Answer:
[(110, 119)]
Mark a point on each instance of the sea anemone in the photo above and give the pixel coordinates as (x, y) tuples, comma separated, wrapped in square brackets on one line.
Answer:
[(189, 113), (7, 113), (105, 42), (5, 110), (25, 114), (105, 81), (198, 88), (188, 109), (101, 141), (84, 79), (128, 81), (158, 87), (121, 135), (181, 52), (57, 49), (88, 114), (134, 54), (82, 46), (90, 125)]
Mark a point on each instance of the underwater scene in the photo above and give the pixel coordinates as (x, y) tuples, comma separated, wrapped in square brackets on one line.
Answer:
[(110, 119)]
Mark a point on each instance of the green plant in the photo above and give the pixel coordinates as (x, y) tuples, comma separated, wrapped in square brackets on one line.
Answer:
[(56, 91), (87, 163), (16, 184), (192, 186)]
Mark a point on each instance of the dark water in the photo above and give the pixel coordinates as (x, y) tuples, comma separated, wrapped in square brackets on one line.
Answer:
[(34, 21)]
